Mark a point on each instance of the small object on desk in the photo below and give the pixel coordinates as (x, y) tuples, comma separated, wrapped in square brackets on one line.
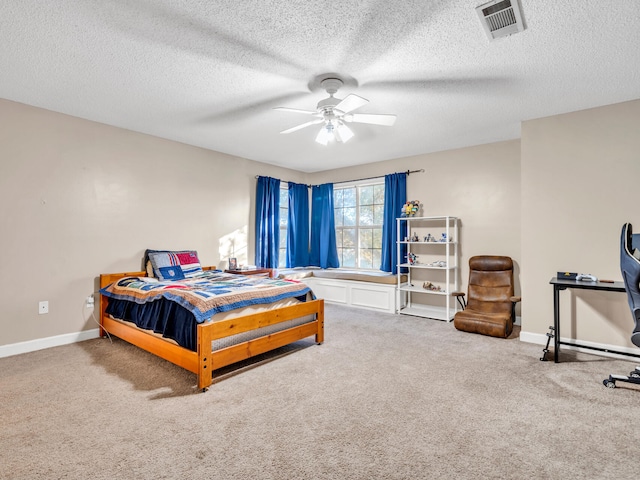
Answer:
[(606, 281), (586, 277), (567, 275)]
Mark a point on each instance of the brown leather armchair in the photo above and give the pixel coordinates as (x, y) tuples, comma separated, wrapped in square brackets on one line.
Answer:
[(490, 309)]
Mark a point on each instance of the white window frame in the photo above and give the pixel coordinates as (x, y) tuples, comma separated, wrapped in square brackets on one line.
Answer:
[(358, 226)]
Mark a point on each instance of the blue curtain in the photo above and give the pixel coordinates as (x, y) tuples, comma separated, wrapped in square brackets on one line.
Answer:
[(298, 229), (267, 222), (395, 195), (324, 252)]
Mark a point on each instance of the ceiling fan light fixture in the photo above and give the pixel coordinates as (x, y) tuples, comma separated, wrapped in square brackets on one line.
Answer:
[(325, 134), (343, 133)]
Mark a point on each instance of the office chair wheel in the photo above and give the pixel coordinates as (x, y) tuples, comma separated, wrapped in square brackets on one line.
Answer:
[(607, 382), (635, 374)]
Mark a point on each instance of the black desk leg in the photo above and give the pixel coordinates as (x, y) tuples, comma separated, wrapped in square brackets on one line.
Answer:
[(556, 323)]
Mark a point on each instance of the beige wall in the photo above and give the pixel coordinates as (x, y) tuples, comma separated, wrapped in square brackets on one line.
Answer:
[(79, 198), (480, 185), (580, 174)]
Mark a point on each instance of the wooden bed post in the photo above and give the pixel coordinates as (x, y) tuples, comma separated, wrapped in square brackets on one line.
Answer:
[(320, 319), (205, 357), (103, 302)]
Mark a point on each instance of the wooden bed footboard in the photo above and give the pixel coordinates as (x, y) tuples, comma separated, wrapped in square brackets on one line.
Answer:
[(205, 360)]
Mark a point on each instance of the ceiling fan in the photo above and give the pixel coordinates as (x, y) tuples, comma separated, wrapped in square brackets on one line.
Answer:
[(333, 113)]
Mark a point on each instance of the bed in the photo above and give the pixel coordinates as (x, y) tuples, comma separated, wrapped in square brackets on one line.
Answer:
[(256, 327)]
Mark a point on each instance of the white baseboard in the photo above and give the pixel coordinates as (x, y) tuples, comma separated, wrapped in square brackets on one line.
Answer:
[(537, 338), (541, 339), (42, 343)]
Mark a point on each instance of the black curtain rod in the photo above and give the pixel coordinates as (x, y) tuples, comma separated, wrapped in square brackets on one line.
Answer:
[(408, 172)]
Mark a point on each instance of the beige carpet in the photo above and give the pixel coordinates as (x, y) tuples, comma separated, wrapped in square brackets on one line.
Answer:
[(386, 397)]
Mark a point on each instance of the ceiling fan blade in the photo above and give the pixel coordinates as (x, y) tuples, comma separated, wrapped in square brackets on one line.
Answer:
[(300, 127), (350, 103), (372, 118), (295, 110)]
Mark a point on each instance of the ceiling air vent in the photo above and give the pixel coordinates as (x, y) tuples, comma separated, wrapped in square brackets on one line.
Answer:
[(500, 18)]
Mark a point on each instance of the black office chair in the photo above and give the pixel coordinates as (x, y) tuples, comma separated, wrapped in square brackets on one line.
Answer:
[(630, 266)]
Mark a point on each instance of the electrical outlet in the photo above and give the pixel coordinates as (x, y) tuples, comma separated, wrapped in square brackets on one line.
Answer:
[(89, 303), (43, 307)]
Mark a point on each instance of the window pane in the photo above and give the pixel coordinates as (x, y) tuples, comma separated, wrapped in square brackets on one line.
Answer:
[(284, 207), (366, 195), (349, 197), (348, 257), (349, 237), (366, 259), (338, 198), (283, 239), (378, 214), (378, 194), (377, 238), (338, 214), (366, 238), (339, 238), (377, 258), (350, 216), (366, 215)]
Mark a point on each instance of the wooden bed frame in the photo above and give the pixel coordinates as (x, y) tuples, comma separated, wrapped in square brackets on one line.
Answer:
[(204, 361)]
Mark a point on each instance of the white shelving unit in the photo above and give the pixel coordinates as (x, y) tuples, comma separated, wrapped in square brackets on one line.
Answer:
[(437, 263)]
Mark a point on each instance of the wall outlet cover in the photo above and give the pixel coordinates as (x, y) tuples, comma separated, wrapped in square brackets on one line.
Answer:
[(43, 307)]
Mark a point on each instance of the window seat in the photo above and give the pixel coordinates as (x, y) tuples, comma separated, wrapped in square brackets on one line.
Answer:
[(373, 290)]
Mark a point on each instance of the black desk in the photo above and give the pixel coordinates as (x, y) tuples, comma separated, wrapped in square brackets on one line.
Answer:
[(562, 284)]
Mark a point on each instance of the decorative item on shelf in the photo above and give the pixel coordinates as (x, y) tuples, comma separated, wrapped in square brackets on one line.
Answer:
[(432, 287), (443, 238), (415, 237), (412, 258), (410, 209), (233, 264), (438, 264)]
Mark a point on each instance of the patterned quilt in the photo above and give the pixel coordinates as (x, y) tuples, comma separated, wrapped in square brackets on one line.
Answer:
[(208, 293)]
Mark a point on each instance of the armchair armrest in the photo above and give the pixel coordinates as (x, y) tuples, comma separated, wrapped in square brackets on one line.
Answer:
[(460, 298)]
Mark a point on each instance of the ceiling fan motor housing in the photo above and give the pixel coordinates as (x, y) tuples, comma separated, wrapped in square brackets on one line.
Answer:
[(331, 85)]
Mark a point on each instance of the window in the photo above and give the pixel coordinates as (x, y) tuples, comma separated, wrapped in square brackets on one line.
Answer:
[(359, 213), (284, 222)]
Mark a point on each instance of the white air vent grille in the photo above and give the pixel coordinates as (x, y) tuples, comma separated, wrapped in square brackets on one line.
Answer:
[(500, 18)]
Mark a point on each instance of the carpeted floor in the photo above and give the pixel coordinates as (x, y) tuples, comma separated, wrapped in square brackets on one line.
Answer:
[(385, 397)]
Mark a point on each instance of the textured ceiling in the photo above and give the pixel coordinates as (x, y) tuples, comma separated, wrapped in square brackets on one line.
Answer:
[(208, 73)]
